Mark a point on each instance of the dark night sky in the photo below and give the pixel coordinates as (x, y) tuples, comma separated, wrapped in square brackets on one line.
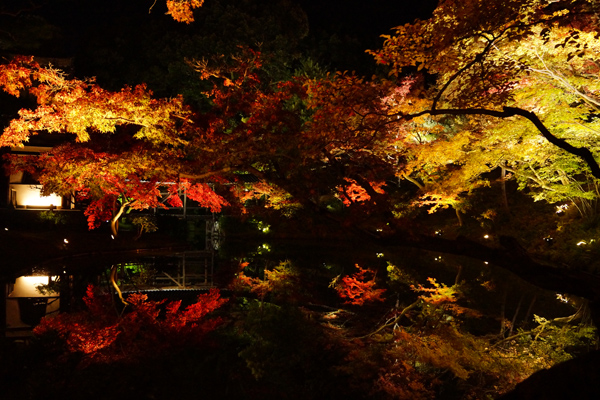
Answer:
[(360, 18), (366, 16), (102, 33), (362, 22)]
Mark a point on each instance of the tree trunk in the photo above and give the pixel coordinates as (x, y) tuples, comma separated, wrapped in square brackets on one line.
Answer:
[(458, 216), (114, 226), (114, 222), (113, 280)]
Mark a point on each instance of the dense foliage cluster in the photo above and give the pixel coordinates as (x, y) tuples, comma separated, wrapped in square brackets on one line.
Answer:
[(488, 109), (99, 335)]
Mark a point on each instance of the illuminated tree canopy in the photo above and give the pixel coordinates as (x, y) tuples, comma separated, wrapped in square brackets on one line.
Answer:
[(516, 94), (485, 124), (532, 60)]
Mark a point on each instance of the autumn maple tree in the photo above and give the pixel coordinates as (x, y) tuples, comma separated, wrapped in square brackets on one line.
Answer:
[(100, 335), (478, 96), (126, 143), (514, 79), (317, 143), (116, 173)]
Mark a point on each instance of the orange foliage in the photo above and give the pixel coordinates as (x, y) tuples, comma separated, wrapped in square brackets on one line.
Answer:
[(282, 282), (359, 288), (76, 106), (182, 10), (102, 336), (132, 170), (444, 297), (273, 196), (353, 192)]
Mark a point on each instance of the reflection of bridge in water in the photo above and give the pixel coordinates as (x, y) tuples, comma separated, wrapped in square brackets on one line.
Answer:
[(180, 271), (160, 273), (185, 270), (177, 276)]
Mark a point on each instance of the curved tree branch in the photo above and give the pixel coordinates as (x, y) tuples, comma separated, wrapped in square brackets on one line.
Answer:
[(582, 152)]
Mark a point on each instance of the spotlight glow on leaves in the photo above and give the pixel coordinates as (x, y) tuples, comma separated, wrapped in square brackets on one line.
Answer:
[(102, 336), (359, 288)]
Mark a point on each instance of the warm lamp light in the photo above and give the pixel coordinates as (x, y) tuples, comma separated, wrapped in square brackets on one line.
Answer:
[(29, 196), (26, 286)]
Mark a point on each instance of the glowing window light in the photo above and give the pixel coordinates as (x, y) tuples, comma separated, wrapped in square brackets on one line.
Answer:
[(26, 286), (29, 196)]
